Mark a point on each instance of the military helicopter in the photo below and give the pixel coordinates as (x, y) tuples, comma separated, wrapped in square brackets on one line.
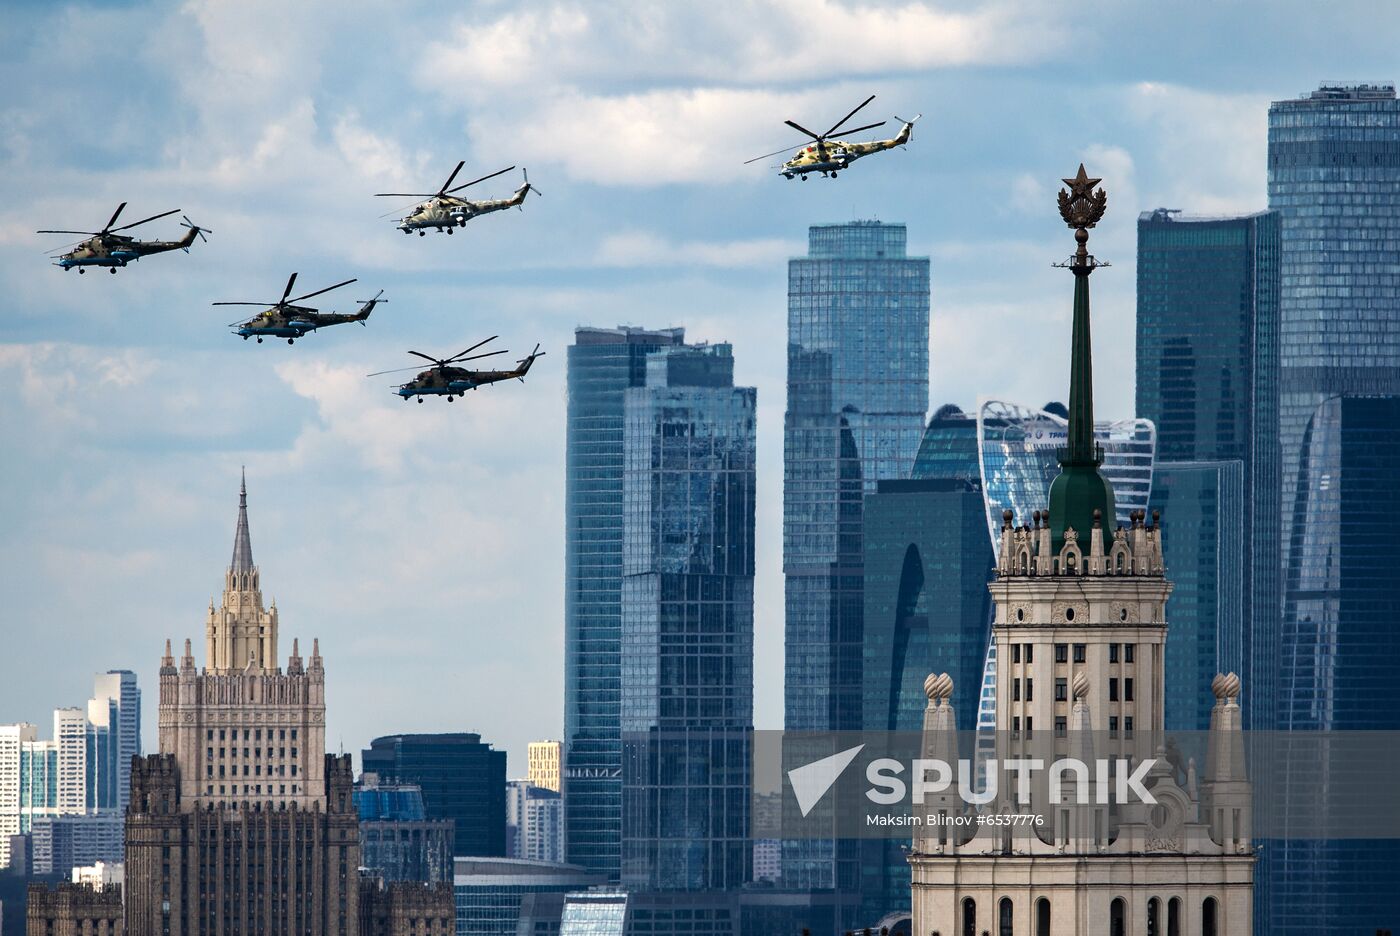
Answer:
[(442, 379), (828, 156), (110, 249), (446, 211), (285, 319)]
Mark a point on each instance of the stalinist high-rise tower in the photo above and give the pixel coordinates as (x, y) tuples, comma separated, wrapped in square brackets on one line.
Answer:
[(1080, 630), (242, 823)]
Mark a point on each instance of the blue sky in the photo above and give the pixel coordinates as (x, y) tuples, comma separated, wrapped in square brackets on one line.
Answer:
[(424, 545)]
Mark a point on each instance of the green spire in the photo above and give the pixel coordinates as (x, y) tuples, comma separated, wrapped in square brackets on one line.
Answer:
[(1080, 493)]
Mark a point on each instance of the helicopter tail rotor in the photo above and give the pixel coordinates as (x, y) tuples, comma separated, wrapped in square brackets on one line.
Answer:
[(199, 231), (527, 186)]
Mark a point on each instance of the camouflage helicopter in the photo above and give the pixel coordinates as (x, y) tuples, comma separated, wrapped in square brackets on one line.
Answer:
[(443, 379), (110, 249), (446, 211), (285, 319), (828, 156)]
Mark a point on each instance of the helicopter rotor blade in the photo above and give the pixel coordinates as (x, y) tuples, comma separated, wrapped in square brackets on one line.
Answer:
[(396, 370), (451, 177), (265, 305), (423, 356), (288, 291), (802, 129), (836, 126), (88, 233), (458, 360), (866, 127), (133, 224), (319, 291), (493, 175), (473, 348), (406, 194), (113, 220), (788, 149), (201, 231)]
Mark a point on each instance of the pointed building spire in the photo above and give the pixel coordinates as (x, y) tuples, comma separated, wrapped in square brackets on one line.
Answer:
[(242, 543), (1080, 490)]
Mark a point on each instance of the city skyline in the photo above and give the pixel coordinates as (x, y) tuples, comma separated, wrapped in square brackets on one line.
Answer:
[(134, 440)]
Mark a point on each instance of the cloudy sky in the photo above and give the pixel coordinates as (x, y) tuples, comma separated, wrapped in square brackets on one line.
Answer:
[(424, 544)]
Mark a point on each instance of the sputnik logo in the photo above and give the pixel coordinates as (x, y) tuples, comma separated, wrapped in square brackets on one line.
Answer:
[(811, 781)]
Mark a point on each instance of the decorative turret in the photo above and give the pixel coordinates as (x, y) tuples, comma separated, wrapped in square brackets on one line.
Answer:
[(242, 543), (240, 633), (941, 745), (1079, 491)]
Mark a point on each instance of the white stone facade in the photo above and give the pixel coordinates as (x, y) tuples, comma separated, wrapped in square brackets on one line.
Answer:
[(1079, 639)]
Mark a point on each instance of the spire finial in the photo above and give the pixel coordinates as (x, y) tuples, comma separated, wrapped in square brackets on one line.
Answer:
[(1079, 491), (242, 543)]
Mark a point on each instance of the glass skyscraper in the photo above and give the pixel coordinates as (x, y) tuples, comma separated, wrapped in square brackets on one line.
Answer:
[(603, 363), (1334, 179), (1207, 376), (687, 622), (857, 395)]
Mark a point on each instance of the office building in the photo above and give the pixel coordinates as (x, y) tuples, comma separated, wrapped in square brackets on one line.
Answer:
[(857, 397), (1334, 179), (687, 622), (114, 718), (463, 779), (60, 843), (603, 363), (534, 822), (492, 893), (398, 842), (1208, 378), (542, 764)]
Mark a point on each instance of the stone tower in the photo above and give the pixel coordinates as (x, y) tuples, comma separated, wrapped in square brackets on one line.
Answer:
[(1080, 631)]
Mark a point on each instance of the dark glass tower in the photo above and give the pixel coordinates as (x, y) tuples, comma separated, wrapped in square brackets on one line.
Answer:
[(462, 779), (1207, 376), (927, 561), (857, 394), (1334, 178), (603, 363), (687, 623)]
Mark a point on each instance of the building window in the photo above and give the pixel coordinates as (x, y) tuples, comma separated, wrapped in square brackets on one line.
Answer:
[(1128, 689), (1004, 914), (1030, 653), (1154, 912), (1079, 653), (1015, 690), (1208, 910), (1015, 653), (1128, 726), (1118, 917), (1061, 653), (1061, 689), (1174, 917), (1060, 726), (1042, 917), (1113, 653), (1113, 726), (1015, 726), (1028, 689), (1113, 690), (1127, 653), (969, 915)]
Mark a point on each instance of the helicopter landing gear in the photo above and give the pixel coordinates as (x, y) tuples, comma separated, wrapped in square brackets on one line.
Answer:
[(804, 178), (451, 399), (81, 271), (291, 341), (112, 270), (833, 175), (259, 340), (245, 337), (422, 233), (449, 230), (420, 399)]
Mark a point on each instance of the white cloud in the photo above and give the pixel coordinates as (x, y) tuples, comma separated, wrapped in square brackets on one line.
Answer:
[(647, 248)]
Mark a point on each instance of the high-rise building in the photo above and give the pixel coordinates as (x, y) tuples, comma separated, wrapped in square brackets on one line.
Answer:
[(1203, 540), (687, 622), (1334, 179), (462, 777), (114, 710), (542, 764), (241, 822), (503, 896), (1208, 378), (534, 822), (13, 740), (1080, 620), (61, 843), (398, 842), (603, 363), (857, 396)]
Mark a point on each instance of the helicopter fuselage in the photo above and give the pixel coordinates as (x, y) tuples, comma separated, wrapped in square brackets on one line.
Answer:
[(836, 155), (445, 212), (114, 250), (292, 322)]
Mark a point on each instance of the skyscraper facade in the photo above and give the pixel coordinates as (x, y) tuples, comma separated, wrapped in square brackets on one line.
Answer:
[(857, 396), (689, 448), (542, 764), (463, 780), (398, 842), (1208, 378), (603, 363), (1334, 179), (115, 707)]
